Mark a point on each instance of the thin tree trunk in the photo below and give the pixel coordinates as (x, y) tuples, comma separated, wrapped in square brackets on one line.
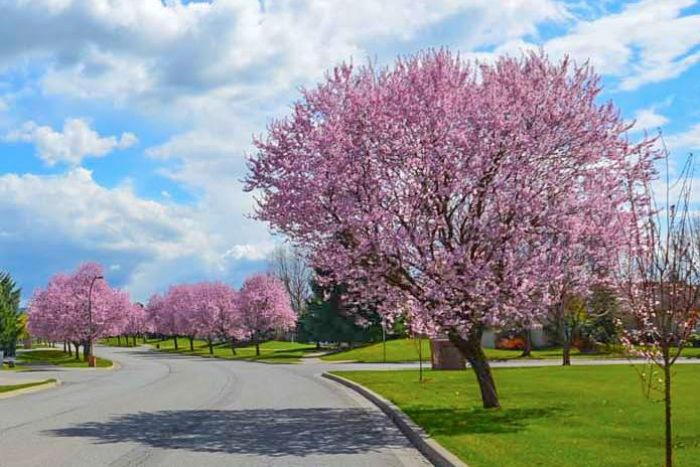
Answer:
[(257, 345), (566, 353), (175, 339), (191, 343), (77, 351), (667, 406), (471, 350), (64, 347), (527, 338), (87, 351), (211, 347), (134, 340), (233, 346), (119, 340), (566, 344)]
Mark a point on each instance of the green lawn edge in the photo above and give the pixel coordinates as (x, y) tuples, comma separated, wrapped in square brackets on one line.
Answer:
[(550, 416), (16, 387)]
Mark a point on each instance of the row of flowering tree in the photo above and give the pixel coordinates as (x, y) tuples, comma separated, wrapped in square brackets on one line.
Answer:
[(80, 307), (217, 312)]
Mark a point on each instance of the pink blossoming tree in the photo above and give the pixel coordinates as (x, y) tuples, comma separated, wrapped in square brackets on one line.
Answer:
[(444, 188), (78, 308), (264, 306)]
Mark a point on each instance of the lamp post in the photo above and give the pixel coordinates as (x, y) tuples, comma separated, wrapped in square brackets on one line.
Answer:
[(91, 358)]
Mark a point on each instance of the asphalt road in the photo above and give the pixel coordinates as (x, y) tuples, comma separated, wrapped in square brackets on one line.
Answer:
[(162, 410)]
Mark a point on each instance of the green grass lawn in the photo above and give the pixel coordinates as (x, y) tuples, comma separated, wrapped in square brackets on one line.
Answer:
[(123, 342), (406, 350), (554, 416), (270, 352), (55, 357), (14, 387)]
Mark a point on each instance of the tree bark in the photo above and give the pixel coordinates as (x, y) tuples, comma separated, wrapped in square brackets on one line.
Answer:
[(471, 349), (566, 354), (175, 339), (527, 338), (134, 340), (87, 351), (211, 347), (77, 351), (191, 343), (233, 346), (566, 344), (667, 406), (119, 340)]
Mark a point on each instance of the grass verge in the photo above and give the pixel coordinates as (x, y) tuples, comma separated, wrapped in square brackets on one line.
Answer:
[(55, 357), (551, 416), (270, 352), (15, 387), (406, 350)]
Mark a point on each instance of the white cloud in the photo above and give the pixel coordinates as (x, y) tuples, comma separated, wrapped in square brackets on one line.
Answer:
[(69, 217), (150, 52), (647, 42), (688, 140), (70, 146), (648, 120)]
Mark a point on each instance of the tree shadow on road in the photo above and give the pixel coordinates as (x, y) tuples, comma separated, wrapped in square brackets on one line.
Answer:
[(282, 432)]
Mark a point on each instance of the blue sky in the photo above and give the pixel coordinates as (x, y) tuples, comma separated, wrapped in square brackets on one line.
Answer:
[(124, 125)]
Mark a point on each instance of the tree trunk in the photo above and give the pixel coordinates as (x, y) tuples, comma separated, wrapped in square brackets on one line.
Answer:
[(87, 351), (119, 340), (566, 344), (527, 337), (667, 406), (233, 346), (471, 350), (134, 340), (566, 353), (77, 351), (175, 339), (191, 343), (64, 347), (318, 345), (257, 345), (211, 347)]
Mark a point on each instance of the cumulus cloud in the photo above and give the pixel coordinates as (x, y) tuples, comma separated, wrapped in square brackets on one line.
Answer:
[(51, 222), (647, 42), (70, 146), (152, 51)]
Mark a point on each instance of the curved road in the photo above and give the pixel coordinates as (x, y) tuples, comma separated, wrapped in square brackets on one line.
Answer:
[(163, 410)]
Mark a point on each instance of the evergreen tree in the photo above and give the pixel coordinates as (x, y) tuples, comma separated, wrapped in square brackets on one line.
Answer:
[(10, 314), (328, 319)]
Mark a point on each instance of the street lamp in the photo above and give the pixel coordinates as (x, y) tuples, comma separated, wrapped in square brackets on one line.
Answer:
[(91, 356)]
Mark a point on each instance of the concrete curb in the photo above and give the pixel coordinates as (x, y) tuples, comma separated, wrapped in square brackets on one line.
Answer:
[(431, 449), (29, 390)]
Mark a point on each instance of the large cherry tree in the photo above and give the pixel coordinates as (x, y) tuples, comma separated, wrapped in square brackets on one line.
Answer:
[(441, 188)]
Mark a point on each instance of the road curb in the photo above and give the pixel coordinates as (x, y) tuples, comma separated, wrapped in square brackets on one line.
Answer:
[(29, 390), (431, 449)]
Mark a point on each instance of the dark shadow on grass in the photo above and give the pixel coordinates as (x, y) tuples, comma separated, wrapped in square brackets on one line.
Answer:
[(296, 432), (479, 421)]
